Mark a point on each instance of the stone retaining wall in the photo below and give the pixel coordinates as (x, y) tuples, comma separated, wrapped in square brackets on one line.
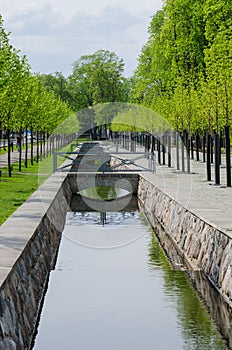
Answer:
[(202, 246), (85, 180), (22, 289), (29, 253)]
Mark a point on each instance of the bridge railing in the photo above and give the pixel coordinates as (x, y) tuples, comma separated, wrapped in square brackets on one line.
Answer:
[(125, 161)]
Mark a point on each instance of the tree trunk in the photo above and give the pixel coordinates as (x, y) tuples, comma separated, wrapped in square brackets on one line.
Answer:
[(26, 149), (37, 146), (19, 144), (216, 157), (9, 153), (41, 145), (228, 159), (209, 144), (32, 144)]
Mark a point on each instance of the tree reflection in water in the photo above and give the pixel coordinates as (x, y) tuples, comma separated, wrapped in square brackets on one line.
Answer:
[(195, 311)]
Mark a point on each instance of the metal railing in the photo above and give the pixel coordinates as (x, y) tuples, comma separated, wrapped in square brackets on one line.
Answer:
[(129, 160)]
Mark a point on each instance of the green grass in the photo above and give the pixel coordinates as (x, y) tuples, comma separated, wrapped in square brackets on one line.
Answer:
[(16, 189), (3, 151)]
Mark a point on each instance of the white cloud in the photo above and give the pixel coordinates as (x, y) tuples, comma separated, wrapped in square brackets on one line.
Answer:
[(53, 34)]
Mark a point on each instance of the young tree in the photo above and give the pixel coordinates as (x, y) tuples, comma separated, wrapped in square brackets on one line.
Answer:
[(14, 70)]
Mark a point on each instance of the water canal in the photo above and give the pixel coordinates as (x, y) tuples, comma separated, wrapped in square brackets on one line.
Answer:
[(114, 288)]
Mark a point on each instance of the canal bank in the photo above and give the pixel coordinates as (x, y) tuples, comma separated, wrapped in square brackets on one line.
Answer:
[(29, 242), (203, 246), (113, 288), (192, 214), (31, 237)]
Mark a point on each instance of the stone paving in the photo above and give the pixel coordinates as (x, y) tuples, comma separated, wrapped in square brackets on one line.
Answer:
[(211, 203)]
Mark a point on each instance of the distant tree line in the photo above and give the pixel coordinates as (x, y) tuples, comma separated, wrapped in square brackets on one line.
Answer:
[(96, 79)]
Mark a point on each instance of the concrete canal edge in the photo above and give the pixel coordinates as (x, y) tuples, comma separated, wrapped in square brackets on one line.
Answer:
[(28, 248), (30, 240), (202, 246), (29, 243)]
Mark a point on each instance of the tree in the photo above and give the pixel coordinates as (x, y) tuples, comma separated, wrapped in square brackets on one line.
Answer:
[(218, 58), (24, 101), (98, 78), (14, 70), (150, 79), (58, 84)]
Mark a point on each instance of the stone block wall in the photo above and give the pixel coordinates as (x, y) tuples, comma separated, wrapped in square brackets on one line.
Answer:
[(23, 289), (202, 246), (126, 181)]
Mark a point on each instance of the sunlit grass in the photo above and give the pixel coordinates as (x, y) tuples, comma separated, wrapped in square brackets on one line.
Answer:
[(16, 189)]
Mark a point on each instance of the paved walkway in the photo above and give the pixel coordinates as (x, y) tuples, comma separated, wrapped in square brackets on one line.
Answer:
[(210, 202), (15, 157)]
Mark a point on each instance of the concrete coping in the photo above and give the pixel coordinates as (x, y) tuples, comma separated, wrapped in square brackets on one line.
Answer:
[(18, 229), (227, 232)]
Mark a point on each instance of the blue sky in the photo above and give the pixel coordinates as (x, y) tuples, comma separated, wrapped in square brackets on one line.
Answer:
[(55, 33)]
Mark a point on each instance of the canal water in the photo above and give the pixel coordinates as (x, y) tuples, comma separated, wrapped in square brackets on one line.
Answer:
[(113, 288)]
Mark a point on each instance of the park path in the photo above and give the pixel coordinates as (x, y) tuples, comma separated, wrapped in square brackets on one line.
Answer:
[(15, 157), (210, 202)]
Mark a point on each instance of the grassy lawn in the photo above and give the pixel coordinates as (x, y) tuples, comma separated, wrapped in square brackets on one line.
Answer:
[(15, 190)]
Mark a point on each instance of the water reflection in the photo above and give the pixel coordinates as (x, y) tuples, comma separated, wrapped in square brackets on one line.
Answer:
[(79, 205), (129, 298), (103, 218), (106, 193), (119, 229), (196, 327)]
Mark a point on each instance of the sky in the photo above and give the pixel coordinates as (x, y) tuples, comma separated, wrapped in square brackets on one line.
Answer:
[(53, 34)]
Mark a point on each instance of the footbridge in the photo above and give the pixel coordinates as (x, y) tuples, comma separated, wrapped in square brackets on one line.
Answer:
[(95, 164), (92, 157)]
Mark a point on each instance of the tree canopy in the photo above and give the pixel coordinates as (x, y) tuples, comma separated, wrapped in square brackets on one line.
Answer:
[(98, 78), (184, 73), (184, 69), (24, 101)]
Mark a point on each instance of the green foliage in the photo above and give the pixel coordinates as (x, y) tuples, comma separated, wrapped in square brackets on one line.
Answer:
[(98, 78), (57, 84), (69, 126), (185, 68), (24, 101), (218, 57), (135, 118)]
